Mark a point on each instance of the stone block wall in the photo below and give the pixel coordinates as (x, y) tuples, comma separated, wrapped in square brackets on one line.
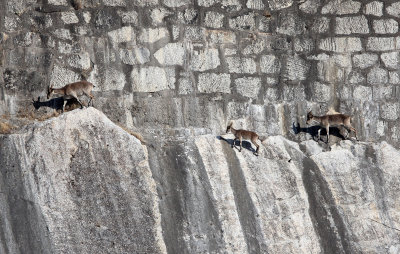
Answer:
[(199, 63)]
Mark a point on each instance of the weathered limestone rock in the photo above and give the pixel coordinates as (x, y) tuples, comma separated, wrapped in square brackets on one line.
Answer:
[(394, 77), (124, 34), (255, 4), (279, 4), (171, 54), (394, 9), (290, 24), (322, 92), (269, 64), (321, 25), (221, 37), (382, 92), (310, 6), (203, 60), (176, 3), (377, 76), (341, 44), (114, 2), (243, 22), (362, 93), (135, 56), (391, 60), (296, 68), (214, 83), (365, 60), (113, 80), (152, 35), (58, 2), (98, 183), (352, 25), (129, 17), (390, 111), (92, 183), (241, 65), (152, 79), (69, 17), (80, 61), (374, 8), (61, 76), (341, 7), (386, 26), (214, 19), (381, 43), (248, 87)]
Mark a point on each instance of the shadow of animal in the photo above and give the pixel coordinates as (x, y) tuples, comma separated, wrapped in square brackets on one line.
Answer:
[(313, 131), (56, 103), (245, 144)]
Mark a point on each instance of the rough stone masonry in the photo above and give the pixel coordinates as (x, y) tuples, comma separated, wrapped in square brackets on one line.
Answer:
[(177, 71), (199, 63)]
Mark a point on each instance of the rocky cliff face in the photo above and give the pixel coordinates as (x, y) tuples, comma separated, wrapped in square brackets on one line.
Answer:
[(200, 63), (80, 184), (177, 71)]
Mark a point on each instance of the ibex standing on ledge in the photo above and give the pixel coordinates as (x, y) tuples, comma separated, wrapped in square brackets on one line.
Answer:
[(243, 134), (331, 120), (73, 90)]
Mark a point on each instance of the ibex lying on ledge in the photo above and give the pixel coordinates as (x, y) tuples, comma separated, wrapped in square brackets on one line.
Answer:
[(73, 90), (243, 134), (331, 120)]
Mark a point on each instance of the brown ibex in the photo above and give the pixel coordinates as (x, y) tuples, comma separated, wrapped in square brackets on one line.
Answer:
[(331, 120), (73, 90), (243, 134)]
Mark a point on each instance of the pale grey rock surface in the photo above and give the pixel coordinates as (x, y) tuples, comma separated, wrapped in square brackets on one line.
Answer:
[(262, 63), (77, 183), (190, 192)]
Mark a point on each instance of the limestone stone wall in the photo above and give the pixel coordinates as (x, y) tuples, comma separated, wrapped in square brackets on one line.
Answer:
[(199, 63)]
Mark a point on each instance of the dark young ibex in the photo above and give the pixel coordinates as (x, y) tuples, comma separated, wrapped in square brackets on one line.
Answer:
[(331, 120), (243, 134), (73, 90)]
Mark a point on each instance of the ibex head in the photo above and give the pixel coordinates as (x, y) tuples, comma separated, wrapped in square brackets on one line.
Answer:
[(310, 117), (229, 126), (49, 91)]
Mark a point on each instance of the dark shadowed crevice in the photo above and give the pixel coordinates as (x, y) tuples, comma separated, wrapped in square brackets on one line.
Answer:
[(334, 237), (245, 207)]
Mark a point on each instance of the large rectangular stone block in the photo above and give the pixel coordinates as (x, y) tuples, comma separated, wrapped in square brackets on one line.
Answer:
[(248, 87), (152, 79), (341, 44), (381, 43), (241, 65), (352, 25), (214, 83)]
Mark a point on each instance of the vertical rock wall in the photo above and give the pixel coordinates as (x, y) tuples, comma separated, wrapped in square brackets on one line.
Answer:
[(199, 63)]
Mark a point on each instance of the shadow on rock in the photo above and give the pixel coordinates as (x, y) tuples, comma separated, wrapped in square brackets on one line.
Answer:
[(56, 103), (245, 144), (313, 131)]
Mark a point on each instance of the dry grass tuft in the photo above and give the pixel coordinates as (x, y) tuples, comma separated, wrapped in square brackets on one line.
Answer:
[(135, 134), (5, 128), (32, 116)]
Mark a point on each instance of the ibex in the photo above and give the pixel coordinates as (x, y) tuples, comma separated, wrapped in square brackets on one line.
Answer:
[(331, 120), (73, 90), (243, 134)]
